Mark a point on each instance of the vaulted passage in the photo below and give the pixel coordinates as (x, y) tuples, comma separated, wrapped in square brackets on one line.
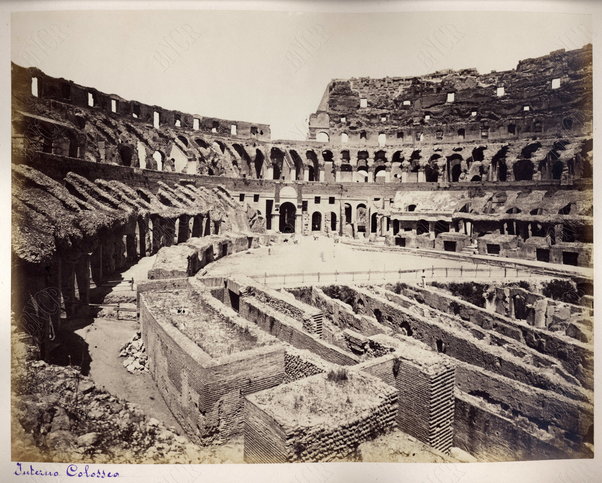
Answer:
[(287, 217)]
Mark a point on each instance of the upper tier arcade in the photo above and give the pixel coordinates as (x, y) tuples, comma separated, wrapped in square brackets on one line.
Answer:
[(549, 95)]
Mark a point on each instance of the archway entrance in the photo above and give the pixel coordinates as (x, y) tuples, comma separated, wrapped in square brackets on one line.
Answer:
[(287, 217), (316, 221)]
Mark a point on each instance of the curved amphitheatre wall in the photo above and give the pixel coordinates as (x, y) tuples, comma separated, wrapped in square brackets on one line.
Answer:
[(535, 134), (100, 181)]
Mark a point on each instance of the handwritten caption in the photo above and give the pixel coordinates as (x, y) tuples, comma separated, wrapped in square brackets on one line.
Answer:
[(72, 470)]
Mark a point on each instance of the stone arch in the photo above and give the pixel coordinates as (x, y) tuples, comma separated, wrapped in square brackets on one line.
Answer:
[(380, 173), (322, 136), (523, 170), (288, 212), (298, 162), (258, 162), (316, 221)]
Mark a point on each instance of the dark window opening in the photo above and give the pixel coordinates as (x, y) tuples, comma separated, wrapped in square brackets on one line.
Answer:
[(543, 255), (317, 200), (255, 198), (449, 246), (241, 197), (493, 249), (570, 258), (331, 200)]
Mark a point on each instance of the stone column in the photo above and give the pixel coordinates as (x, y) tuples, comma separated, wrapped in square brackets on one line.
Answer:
[(432, 230), (169, 229), (82, 273), (119, 253), (142, 233), (68, 286), (96, 264), (276, 222), (108, 254), (421, 176), (157, 234), (298, 221), (130, 248)]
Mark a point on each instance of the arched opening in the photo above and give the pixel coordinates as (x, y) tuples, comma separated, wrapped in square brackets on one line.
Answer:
[(557, 169), (441, 227), (183, 140), (422, 226), (125, 153), (441, 346), (314, 166), (287, 217), (361, 215), (333, 221), (201, 143), (344, 138), (431, 173), (374, 223), (523, 170), (456, 171), (382, 139), (405, 329), (299, 168), (502, 170), (322, 137), (316, 221), (347, 211), (380, 174), (277, 158), (159, 157), (361, 176), (327, 156), (259, 158)]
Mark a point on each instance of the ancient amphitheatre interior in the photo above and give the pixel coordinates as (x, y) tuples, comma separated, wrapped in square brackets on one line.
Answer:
[(413, 282)]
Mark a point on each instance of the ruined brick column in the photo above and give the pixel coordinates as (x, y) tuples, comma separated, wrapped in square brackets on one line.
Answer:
[(68, 284), (169, 231), (426, 399), (142, 234), (157, 232), (82, 274), (130, 248)]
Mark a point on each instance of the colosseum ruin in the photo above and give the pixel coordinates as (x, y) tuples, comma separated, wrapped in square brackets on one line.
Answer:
[(412, 282)]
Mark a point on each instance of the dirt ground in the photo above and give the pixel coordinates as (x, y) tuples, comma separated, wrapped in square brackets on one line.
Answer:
[(105, 338)]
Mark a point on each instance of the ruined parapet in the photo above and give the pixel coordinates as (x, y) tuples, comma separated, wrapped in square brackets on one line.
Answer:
[(319, 418), (310, 317), (174, 262)]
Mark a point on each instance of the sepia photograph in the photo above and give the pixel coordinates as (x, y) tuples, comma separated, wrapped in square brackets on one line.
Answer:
[(250, 234)]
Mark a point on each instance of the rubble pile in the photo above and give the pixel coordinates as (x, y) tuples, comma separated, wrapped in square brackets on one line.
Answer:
[(63, 416), (136, 359)]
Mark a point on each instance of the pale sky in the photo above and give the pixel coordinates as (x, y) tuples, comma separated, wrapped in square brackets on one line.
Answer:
[(273, 67)]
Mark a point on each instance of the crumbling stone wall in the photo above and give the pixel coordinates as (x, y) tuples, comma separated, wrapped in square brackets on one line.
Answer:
[(269, 439), (205, 393)]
